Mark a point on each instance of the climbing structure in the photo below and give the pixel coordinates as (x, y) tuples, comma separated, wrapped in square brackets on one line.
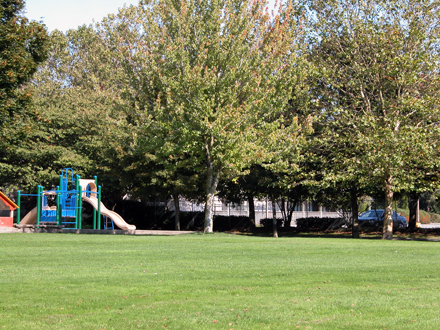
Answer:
[(63, 206)]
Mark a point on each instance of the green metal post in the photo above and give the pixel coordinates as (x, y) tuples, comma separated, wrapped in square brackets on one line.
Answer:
[(94, 219), (94, 211), (18, 204), (78, 197), (99, 207), (58, 206), (39, 196), (61, 196), (79, 220)]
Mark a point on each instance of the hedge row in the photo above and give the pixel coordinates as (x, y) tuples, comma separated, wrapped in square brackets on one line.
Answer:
[(150, 217), (306, 224)]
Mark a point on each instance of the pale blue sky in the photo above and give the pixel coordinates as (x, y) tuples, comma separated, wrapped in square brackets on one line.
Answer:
[(69, 14)]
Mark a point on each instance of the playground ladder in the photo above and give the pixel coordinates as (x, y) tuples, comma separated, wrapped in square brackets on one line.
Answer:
[(108, 223)]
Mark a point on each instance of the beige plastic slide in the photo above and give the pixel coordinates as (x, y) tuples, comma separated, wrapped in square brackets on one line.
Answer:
[(117, 219), (30, 218)]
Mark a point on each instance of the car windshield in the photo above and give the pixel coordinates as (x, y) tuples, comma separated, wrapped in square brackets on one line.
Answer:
[(372, 214)]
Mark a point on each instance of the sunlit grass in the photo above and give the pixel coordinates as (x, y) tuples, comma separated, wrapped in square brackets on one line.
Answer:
[(67, 281)]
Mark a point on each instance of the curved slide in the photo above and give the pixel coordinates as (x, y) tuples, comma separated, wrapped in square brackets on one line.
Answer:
[(117, 219), (30, 218)]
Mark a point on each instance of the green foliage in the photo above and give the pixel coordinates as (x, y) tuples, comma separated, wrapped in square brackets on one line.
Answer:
[(268, 223), (209, 82), (232, 223), (256, 181), (376, 93), (77, 118), (171, 98), (154, 217), (425, 217), (429, 202), (314, 223), (23, 46), (429, 217)]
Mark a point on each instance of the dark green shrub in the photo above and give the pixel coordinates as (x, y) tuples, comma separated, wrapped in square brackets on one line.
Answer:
[(227, 223), (268, 223), (145, 216), (306, 224), (140, 214), (191, 220)]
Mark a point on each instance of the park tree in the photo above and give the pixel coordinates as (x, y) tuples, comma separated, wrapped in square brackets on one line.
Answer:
[(77, 117), (149, 171), (154, 176), (78, 96), (211, 80), (329, 170), (255, 182), (377, 92), (23, 47)]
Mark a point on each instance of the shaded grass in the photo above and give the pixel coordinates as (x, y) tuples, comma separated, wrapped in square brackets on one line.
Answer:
[(368, 233), (220, 281)]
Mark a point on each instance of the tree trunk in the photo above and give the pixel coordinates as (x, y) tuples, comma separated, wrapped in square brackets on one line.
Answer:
[(413, 210), (211, 187), (388, 216), (274, 218), (290, 209), (251, 208), (282, 206), (354, 214), (177, 208)]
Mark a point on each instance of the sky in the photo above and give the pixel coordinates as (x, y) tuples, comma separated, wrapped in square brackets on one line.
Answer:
[(69, 14)]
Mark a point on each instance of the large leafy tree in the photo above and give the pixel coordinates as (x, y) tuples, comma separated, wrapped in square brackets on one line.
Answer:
[(378, 91), (146, 166), (330, 171), (212, 79), (77, 117), (79, 95), (23, 47)]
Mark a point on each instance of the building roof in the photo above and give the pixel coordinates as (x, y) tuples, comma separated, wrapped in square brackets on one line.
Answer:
[(10, 204)]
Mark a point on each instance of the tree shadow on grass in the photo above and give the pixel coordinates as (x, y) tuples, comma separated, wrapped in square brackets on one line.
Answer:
[(405, 234)]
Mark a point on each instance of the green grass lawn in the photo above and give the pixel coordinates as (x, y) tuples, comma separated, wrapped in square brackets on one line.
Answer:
[(219, 281)]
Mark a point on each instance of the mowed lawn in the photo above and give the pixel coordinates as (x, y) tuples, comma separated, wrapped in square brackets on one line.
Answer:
[(218, 281)]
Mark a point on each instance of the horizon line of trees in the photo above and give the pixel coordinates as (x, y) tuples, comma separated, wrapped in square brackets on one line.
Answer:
[(323, 100)]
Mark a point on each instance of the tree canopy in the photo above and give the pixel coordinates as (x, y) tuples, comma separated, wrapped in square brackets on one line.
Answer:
[(23, 47), (172, 97), (377, 93), (212, 80)]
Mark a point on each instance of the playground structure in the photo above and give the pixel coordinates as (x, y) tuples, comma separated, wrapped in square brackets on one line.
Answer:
[(7, 208), (66, 208)]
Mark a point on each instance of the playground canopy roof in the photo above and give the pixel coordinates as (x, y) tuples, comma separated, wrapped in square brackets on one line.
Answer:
[(6, 203)]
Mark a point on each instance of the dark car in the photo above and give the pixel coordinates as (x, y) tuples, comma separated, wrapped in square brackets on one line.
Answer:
[(375, 218)]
